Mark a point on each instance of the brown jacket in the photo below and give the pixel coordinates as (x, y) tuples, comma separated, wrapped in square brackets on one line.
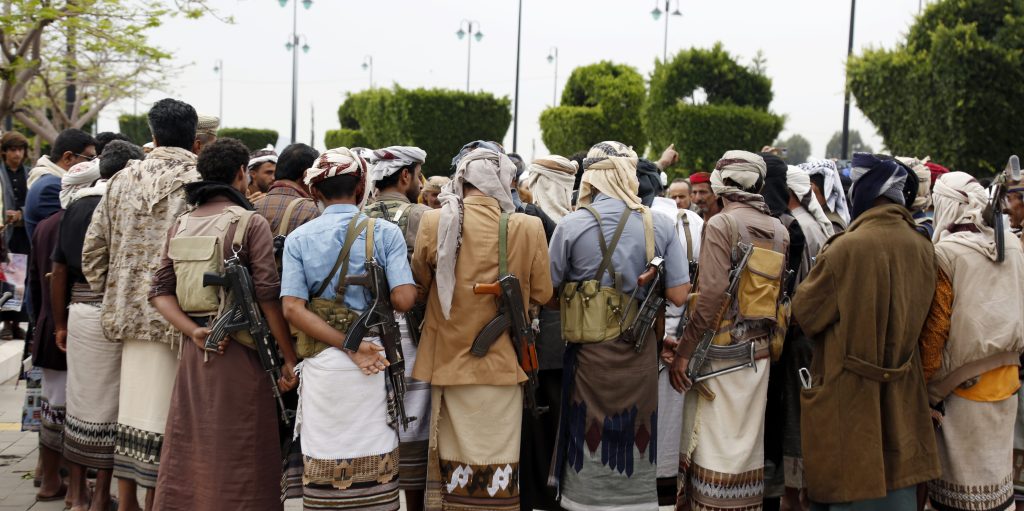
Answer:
[(866, 423), (443, 356)]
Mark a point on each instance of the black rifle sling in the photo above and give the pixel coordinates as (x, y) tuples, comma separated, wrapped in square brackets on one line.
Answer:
[(352, 232)]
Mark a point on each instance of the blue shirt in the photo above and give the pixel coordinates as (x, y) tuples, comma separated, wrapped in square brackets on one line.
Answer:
[(575, 251), (311, 251)]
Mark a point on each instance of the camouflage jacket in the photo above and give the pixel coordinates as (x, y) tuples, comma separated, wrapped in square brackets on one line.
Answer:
[(127, 235)]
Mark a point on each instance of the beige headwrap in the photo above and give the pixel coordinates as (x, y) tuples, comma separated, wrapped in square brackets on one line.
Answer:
[(611, 168), (799, 182), (742, 167), (550, 181), (491, 173), (924, 181), (960, 201)]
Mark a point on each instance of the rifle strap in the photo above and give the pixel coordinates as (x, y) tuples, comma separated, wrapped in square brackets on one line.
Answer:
[(282, 230), (503, 245), (352, 231), (685, 218)]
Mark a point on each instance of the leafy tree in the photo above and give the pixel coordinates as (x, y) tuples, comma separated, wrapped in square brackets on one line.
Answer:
[(98, 49), (798, 149), (834, 148), (600, 102), (954, 89), (735, 115)]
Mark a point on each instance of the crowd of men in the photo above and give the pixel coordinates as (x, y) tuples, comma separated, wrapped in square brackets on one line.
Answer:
[(565, 334)]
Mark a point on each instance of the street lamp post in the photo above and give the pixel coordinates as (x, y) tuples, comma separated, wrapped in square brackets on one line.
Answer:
[(293, 46), (368, 66), (656, 13), (553, 59), (219, 69), (846, 89), (478, 35)]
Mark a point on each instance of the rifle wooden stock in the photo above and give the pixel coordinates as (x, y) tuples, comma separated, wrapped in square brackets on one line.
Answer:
[(487, 289)]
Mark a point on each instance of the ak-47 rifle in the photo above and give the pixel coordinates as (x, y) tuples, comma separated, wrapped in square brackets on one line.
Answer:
[(512, 317), (700, 354), (993, 213), (647, 313), (380, 317), (245, 314)]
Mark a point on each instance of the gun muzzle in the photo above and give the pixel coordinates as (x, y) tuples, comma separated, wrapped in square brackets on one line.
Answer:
[(487, 289)]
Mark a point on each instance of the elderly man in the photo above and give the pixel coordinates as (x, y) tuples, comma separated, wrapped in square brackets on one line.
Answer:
[(703, 196), (722, 442), (432, 189), (122, 250), (477, 402), (600, 250), (862, 306), (971, 348)]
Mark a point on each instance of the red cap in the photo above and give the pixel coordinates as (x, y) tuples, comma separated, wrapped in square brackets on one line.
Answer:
[(936, 170), (700, 177)]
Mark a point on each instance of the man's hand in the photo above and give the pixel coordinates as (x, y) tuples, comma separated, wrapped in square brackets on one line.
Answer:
[(678, 375), (199, 336), (669, 157), (370, 358), (668, 350), (62, 339), (288, 380)]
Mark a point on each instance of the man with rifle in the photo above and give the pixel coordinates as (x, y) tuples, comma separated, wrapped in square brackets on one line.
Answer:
[(726, 342), (605, 259), (222, 404), (473, 241), (348, 437), (396, 174)]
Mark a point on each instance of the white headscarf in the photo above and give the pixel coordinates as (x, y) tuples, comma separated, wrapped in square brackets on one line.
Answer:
[(78, 177), (611, 168), (835, 197), (550, 182), (960, 200), (490, 172), (799, 182)]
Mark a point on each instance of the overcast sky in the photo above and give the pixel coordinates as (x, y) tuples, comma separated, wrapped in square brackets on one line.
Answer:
[(413, 43)]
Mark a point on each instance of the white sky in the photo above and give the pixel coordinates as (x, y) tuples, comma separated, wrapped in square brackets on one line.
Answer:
[(413, 43)]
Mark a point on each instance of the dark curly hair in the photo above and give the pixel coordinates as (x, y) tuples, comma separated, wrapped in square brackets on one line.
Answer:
[(221, 160)]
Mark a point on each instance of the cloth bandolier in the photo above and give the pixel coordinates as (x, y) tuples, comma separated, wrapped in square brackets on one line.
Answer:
[(213, 392), (721, 454), (413, 442)]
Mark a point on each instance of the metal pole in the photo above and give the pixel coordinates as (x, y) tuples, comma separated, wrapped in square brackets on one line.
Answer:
[(469, 52), (220, 113), (846, 97), (295, 67), (515, 111), (664, 54)]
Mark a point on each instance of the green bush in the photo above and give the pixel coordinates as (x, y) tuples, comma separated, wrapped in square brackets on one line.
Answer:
[(135, 127), (736, 115), (253, 138), (438, 121), (600, 102), (344, 138), (954, 89)]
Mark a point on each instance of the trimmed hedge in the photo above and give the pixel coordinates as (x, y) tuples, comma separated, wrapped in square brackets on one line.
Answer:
[(253, 138), (955, 88), (439, 121), (736, 115), (345, 138), (135, 127), (600, 102)]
